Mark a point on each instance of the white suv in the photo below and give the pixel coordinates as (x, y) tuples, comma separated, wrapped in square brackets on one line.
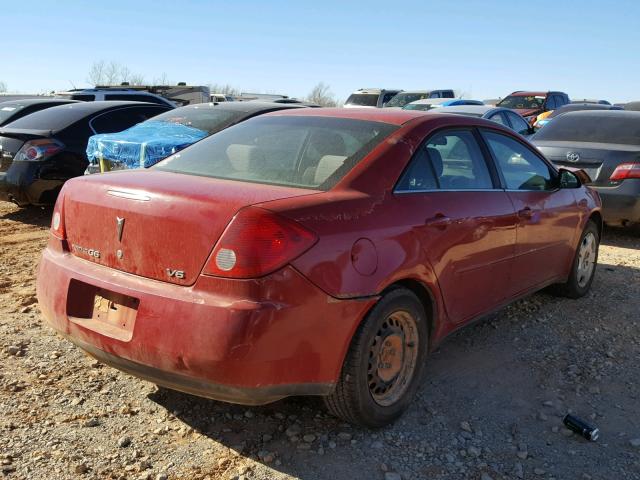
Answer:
[(97, 94)]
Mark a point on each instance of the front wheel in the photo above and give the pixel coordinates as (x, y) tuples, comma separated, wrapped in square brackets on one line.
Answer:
[(383, 366), (584, 264)]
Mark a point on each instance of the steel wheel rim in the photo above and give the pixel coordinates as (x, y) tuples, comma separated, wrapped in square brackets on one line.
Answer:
[(586, 259), (393, 358)]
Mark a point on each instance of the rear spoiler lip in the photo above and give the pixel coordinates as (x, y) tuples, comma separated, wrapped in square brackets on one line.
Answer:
[(24, 133)]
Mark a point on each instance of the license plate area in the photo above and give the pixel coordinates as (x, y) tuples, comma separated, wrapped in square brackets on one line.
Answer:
[(103, 311)]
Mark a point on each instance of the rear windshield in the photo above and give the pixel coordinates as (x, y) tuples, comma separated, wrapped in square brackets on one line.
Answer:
[(592, 128), (308, 152), (363, 99), (8, 110), (210, 120), (401, 99), (522, 101)]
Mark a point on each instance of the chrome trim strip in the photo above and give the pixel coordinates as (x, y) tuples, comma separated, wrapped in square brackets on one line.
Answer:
[(129, 195), (451, 190)]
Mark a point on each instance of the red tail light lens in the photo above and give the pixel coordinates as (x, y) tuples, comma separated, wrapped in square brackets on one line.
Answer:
[(39, 150), (625, 171), (257, 242)]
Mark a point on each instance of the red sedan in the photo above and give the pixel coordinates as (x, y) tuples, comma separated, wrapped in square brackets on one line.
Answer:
[(313, 252)]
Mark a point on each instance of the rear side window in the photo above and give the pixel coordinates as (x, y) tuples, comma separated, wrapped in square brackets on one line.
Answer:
[(387, 97), (518, 123), (521, 168), (450, 160), (307, 152), (83, 98), (447, 94), (123, 118), (498, 118)]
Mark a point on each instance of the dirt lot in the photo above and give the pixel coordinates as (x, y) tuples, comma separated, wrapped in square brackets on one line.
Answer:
[(490, 408)]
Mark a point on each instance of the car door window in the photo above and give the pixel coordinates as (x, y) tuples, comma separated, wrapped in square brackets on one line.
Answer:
[(551, 103), (387, 97), (434, 95), (518, 123), (449, 160), (521, 168), (498, 118), (123, 118)]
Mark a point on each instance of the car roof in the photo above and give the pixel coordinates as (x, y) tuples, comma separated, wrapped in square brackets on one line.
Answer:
[(385, 115), (377, 90), (530, 93), (91, 107), (252, 106), (430, 101), (63, 117), (37, 101), (473, 109), (607, 113)]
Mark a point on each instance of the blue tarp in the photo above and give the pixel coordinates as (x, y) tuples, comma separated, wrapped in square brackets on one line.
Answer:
[(142, 145)]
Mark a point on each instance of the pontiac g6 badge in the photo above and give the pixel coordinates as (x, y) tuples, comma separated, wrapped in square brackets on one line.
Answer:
[(87, 251), (119, 227)]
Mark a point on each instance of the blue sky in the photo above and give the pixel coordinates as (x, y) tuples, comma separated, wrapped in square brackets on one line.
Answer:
[(483, 48)]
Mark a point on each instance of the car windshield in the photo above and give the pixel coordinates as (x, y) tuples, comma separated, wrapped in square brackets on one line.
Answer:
[(208, 119), (623, 129), (522, 101), (308, 152), (401, 99), (8, 109), (363, 99)]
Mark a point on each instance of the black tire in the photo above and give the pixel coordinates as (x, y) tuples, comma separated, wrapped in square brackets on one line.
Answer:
[(576, 286), (360, 396)]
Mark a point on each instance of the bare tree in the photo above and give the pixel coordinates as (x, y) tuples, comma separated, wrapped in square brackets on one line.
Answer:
[(322, 95), (112, 73), (96, 73), (162, 80), (3, 87), (226, 89)]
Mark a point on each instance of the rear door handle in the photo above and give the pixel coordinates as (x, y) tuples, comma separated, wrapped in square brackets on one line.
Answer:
[(438, 221), (526, 212)]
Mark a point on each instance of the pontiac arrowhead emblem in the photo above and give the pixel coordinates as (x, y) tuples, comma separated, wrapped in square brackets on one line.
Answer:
[(119, 227)]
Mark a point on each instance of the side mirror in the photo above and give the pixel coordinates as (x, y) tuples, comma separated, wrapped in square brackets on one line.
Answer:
[(572, 179)]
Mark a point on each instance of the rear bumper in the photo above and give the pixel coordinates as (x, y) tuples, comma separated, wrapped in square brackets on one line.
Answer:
[(621, 204), (249, 342), (20, 184), (10, 192)]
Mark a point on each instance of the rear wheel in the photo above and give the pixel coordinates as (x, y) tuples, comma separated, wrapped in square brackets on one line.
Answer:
[(383, 366), (584, 264)]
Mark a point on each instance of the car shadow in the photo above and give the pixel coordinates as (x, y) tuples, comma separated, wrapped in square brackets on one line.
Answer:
[(470, 376), (625, 237), (37, 216)]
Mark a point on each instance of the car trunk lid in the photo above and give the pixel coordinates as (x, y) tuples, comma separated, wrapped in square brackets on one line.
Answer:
[(597, 159), (154, 224)]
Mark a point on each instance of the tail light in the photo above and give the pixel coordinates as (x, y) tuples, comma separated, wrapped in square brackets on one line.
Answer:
[(58, 237), (38, 150), (257, 242), (625, 171)]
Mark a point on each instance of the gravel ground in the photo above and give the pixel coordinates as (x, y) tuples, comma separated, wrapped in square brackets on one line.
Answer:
[(490, 407)]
